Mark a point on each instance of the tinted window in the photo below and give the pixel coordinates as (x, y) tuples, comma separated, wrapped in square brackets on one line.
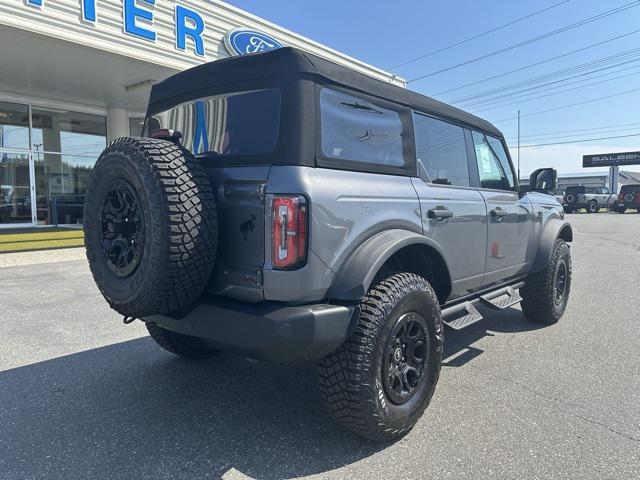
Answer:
[(233, 124), (494, 167), (630, 188), (359, 130), (441, 149)]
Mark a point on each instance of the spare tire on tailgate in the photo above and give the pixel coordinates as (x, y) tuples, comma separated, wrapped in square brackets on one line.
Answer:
[(150, 225)]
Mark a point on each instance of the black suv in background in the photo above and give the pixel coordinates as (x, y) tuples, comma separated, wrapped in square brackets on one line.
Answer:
[(629, 198)]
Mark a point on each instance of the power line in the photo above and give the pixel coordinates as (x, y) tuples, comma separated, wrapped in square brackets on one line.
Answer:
[(561, 107), (532, 40), (467, 40), (562, 137), (575, 141), (531, 65), (625, 57), (578, 130), (524, 99)]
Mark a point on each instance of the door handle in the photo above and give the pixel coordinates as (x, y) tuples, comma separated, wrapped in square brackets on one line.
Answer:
[(439, 213), (498, 213)]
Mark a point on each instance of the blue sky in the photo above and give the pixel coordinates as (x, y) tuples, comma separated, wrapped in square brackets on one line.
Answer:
[(386, 34)]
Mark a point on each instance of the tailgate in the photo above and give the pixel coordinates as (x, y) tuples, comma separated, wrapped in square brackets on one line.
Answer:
[(241, 231)]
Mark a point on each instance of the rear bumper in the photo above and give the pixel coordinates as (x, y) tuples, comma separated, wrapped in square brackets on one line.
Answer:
[(266, 331)]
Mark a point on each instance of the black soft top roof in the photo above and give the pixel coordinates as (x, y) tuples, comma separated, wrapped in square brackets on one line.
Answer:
[(291, 63)]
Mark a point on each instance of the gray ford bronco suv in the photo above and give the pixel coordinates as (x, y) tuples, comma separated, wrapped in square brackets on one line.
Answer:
[(286, 208)]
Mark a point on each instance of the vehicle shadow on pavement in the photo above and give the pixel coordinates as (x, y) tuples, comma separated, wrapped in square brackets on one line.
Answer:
[(458, 345), (130, 410)]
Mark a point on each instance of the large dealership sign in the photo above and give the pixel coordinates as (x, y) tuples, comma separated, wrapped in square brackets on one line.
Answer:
[(138, 18), (611, 159)]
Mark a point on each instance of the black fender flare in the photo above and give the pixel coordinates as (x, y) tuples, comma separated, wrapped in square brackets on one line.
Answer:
[(552, 230), (358, 271)]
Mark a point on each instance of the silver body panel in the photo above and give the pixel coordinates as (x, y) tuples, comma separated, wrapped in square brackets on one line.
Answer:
[(348, 207)]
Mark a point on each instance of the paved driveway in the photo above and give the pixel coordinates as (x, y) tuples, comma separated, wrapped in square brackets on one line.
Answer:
[(84, 396)]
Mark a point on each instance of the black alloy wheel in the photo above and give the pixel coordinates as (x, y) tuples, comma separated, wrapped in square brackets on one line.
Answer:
[(407, 351), (122, 222), (560, 283)]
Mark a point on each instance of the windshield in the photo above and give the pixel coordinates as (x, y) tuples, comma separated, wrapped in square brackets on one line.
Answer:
[(233, 124)]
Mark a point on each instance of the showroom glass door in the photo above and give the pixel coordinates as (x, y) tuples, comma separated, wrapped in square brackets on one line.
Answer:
[(16, 169), (46, 157), (15, 190)]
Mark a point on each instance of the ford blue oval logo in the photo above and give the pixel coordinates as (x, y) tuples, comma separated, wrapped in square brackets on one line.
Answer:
[(243, 41)]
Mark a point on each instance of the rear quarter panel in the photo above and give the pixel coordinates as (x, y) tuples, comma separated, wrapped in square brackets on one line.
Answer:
[(345, 209)]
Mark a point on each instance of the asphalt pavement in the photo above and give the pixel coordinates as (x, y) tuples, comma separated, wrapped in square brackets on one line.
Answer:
[(84, 396)]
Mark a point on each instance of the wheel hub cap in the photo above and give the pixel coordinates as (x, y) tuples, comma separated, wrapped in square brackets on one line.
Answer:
[(122, 228), (560, 283), (405, 358)]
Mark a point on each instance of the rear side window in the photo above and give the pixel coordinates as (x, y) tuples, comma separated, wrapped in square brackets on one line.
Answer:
[(494, 167), (358, 130), (234, 124), (442, 151)]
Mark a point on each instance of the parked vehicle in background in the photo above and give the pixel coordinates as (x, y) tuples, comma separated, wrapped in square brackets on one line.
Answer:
[(287, 208), (629, 197), (592, 199), (558, 194)]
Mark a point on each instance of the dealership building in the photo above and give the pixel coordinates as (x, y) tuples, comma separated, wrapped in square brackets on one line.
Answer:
[(77, 73)]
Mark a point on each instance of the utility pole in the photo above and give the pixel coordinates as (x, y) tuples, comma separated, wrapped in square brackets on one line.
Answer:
[(518, 146)]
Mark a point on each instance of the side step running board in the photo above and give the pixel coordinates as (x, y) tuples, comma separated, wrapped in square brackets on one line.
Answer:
[(461, 316), (464, 314), (503, 298)]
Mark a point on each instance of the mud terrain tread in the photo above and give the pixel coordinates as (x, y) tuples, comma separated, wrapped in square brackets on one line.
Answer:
[(537, 293), (181, 193), (346, 377)]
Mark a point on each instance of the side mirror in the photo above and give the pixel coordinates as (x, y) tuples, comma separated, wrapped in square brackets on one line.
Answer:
[(543, 180)]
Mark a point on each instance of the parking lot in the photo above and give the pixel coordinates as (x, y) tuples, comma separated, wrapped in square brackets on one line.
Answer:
[(84, 396)]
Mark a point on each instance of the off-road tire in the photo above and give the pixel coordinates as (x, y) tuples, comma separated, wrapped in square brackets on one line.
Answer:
[(592, 207), (567, 210), (179, 227), (538, 293), (350, 379), (181, 345)]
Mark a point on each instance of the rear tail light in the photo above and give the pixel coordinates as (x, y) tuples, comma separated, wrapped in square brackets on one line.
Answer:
[(289, 237), (637, 200)]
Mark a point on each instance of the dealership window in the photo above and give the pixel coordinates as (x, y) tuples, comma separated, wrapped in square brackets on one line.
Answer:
[(355, 129), (15, 194), (135, 126), (442, 151), (14, 125), (60, 149)]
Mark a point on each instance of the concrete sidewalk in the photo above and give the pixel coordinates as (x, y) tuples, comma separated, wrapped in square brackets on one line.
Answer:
[(42, 256)]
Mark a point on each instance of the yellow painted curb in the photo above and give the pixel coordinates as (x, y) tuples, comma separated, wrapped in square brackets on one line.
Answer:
[(40, 236)]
